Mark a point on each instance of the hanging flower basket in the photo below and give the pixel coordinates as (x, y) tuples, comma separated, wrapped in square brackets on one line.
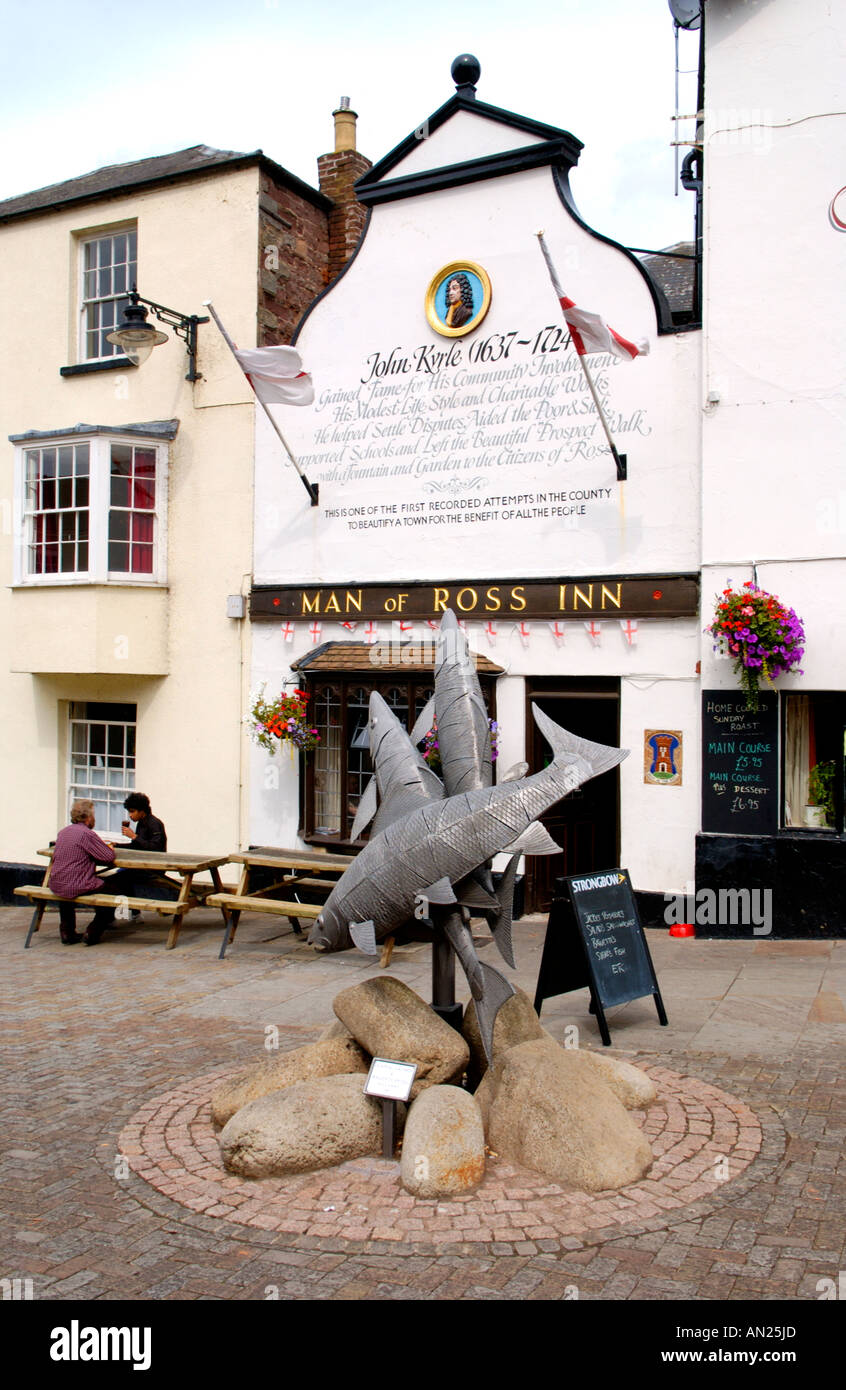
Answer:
[(762, 635), (432, 752), (283, 720)]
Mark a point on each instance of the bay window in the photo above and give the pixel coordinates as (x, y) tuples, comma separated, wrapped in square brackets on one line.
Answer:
[(91, 509)]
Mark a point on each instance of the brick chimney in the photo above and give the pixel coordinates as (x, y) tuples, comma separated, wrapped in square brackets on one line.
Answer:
[(337, 172)]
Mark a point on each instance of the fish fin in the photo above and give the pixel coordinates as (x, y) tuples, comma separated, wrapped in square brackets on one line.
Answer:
[(364, 936), (533, 840), (367, 808), (570, 749), (495, 992), (515, 773), (471, 894), (440, 893), (502, 926), (424, 721)]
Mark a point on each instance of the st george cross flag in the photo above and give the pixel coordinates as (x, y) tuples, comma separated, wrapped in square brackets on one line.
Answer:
[(276, 375), (590, 332)]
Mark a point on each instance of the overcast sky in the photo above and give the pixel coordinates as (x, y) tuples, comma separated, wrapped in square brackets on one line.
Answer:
[(92, 83)]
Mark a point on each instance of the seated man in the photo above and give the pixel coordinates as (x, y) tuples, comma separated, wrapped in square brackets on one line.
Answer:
[(73, 874), (148, 837)]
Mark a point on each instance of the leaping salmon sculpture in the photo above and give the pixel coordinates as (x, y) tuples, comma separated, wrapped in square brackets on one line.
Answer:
[(420, 857)]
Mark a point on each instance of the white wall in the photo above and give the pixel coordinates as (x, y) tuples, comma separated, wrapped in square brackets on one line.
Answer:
[(450, 437), (415, 440), (774, 283)]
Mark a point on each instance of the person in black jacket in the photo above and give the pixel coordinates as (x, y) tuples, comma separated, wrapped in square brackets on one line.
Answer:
[(149, 834), (148, 837)]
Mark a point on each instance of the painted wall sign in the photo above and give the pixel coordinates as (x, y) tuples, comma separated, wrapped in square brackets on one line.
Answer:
[(427, 429), (667, 596), (739, 764), (662, 757), (458, 298)]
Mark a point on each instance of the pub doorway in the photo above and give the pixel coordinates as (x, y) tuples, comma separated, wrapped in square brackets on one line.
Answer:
[(587, 822)]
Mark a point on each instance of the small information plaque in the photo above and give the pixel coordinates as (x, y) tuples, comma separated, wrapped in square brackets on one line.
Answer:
[(390, 1080)]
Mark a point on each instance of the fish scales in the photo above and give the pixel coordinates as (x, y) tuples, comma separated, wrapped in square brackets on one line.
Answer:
[(387, 878), (464, 743)]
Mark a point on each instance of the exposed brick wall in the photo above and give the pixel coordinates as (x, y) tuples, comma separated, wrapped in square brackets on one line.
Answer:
[(337, 173), (293, 255)]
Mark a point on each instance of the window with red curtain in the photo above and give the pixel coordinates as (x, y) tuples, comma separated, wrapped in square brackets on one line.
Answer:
[(132, 504)]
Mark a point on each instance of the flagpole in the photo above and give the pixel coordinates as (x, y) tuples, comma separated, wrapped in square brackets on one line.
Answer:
[(311, 488), (619, 459)]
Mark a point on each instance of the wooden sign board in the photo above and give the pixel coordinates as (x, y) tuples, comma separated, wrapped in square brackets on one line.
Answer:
[(739, 764), (595, 596), (594, 939)]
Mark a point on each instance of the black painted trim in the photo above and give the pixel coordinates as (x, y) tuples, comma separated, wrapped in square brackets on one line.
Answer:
[(663, 313), (490, 166), (15, 876), (477, 108), (332, 283), (85, 368), (651, 907)]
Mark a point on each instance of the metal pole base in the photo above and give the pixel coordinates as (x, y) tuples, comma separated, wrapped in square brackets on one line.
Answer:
[(443, 981)]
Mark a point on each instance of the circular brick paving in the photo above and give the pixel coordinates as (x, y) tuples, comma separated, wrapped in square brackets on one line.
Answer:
[(702, 1139)]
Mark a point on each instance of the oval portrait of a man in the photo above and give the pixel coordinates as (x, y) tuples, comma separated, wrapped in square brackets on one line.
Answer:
[(458, 298)]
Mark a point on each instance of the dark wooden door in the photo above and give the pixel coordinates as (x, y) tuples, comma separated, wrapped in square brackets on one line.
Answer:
[(585, 823)]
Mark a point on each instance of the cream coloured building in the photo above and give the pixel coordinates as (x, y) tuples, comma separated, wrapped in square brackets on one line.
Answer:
[(127, 491)]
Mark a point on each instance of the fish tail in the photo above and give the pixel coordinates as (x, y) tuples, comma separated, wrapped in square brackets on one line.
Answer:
[(569, 749), (495, 991), (488, 988)]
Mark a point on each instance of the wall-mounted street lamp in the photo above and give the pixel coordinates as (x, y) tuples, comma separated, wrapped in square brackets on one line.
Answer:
[(137, 337)]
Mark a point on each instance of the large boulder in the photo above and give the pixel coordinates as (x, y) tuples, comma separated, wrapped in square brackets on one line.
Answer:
[(545, 1107), (516, 1022), (443, 1150), (312, 1124), (388, 1019), (630, 1085), (328, 1058)]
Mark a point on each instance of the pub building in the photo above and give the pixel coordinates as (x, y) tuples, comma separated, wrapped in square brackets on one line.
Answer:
[(461, 463)]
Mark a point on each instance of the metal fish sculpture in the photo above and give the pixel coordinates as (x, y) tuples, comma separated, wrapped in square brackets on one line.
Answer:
[(403, 779), (464, 735), (419, 858), (402, 783)]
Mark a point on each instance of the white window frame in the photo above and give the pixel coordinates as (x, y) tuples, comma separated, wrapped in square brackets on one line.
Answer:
[(120, 229), (100, 446), (90, 789)]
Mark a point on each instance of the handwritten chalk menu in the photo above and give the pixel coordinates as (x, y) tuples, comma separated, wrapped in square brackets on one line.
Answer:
[(594, 937), (739, 764)]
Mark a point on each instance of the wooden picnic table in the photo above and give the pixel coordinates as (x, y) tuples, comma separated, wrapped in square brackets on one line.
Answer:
[(190, 895), (272, 880)]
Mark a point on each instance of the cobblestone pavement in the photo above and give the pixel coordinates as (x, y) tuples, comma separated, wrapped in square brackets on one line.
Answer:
[(91, 1037)]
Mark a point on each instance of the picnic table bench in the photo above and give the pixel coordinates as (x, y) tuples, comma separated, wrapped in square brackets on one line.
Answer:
[(190, 895), (292, 871)]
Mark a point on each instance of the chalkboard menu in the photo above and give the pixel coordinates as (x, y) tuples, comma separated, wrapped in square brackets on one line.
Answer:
[(739, 764), (594, 937)]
